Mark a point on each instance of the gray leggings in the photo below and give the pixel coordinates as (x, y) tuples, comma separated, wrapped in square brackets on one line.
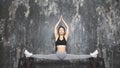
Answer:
[(60, 56)]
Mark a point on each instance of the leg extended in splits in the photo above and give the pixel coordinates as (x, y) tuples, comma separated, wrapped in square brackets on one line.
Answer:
[(49, 56), (41, 56), (62, 56), (72, 56)]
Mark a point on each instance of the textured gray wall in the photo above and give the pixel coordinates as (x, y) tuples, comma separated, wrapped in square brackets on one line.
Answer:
[(28, 24)]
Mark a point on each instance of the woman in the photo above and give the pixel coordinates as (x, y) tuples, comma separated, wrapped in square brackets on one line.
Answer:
[(61, 36)]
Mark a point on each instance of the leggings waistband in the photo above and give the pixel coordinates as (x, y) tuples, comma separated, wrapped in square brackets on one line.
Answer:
[(60, 52)]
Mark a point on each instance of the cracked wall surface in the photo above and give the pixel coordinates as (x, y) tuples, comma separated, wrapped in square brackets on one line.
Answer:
[(28, 24)]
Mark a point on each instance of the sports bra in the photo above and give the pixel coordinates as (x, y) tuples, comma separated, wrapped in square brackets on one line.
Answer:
[(60, 42)]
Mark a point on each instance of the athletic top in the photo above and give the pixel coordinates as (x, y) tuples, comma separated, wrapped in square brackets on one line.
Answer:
[(61, 42)]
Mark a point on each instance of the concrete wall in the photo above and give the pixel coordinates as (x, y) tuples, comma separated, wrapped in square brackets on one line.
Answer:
[(28, 24)]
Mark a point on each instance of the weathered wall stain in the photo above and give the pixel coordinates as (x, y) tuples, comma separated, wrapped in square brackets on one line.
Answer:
[(28, 24)]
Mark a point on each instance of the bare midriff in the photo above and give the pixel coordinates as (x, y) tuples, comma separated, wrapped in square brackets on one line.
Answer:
[(61, 48)]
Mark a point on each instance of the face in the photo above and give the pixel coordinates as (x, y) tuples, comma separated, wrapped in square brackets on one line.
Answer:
[(61, 31)]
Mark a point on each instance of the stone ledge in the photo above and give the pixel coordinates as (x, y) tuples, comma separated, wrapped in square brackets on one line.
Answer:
[(86, 63)]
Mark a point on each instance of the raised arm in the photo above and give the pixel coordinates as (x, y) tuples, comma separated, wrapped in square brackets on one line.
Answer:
[(67, 29), (55, 29)]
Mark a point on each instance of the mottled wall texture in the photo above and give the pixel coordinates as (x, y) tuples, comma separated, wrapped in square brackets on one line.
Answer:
[(28, 24)]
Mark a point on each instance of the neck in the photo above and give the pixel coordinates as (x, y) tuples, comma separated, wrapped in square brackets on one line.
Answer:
[(61, 35)]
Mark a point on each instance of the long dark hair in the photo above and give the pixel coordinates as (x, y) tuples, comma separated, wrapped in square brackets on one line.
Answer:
[(63, 29)]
